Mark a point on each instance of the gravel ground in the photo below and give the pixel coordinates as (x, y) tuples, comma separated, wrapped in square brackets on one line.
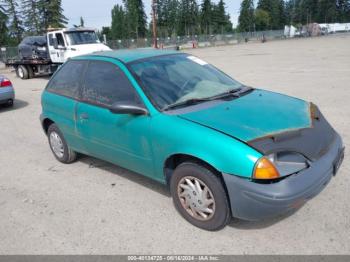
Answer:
[(92, 207)]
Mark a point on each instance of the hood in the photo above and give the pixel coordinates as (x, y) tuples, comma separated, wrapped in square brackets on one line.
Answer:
[(87, 49), (255, 115)]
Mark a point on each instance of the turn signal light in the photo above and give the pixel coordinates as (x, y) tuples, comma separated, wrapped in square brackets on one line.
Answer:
[(264, 169)]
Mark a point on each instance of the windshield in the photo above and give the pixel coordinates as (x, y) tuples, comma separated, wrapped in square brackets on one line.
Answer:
[(81, 37), (177, 78)]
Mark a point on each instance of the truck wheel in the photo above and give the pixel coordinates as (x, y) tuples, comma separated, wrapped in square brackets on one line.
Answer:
[(199, 196), (30, 72), (22, 72)]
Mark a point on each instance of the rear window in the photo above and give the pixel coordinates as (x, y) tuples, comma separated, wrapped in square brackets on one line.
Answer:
[(66, 81)]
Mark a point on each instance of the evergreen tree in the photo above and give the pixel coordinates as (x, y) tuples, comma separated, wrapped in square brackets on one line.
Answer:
[(106, 30), (136, 18), (188, 18), (246, 16), (161, 18), (326, 12), (262, 20), (206, 17), (51, 13), (82, 22), (171, 16), (343, 8), (221, 20), (119, 27), (3, 26), (30, 12), (275, 9), (15, 27), (166, 17)]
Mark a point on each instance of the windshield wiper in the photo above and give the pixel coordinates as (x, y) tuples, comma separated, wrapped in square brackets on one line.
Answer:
[(236, 93), (189, 102)]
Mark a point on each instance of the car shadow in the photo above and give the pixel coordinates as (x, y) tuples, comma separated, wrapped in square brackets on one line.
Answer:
[(18, 104), (164, 190), (124, 173), (261, 224)]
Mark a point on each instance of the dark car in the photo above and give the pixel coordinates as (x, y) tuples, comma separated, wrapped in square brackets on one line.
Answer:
[(33, 47)]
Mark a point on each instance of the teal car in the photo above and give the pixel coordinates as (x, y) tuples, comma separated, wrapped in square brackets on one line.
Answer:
[(224, 149)]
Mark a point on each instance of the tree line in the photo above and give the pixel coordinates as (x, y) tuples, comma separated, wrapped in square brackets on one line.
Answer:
[(274, 14), (28, 17), (19, 18), (174, 18)]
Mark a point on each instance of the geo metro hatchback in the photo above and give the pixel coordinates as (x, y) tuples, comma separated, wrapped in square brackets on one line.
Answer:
[(224, 149)]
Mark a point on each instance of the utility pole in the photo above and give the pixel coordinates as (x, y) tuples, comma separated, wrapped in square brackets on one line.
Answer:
[(154, 23)]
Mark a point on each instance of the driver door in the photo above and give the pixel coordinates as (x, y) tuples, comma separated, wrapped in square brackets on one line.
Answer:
[(57, 53), (119, 138)]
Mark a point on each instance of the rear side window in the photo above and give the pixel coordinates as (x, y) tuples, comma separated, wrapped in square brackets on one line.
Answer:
[(66, 81), (105, 84)]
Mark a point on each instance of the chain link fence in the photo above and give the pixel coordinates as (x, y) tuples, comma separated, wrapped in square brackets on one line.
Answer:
[(197, 40), (8, 53)]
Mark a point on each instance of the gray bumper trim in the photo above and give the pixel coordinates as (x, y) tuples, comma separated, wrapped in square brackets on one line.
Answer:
[(254, 201)]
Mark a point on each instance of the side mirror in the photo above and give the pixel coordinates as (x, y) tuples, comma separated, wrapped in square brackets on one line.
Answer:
[(127, 108)]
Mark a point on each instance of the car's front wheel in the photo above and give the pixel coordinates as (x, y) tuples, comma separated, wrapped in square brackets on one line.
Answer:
[(200, 197), (59, 146)]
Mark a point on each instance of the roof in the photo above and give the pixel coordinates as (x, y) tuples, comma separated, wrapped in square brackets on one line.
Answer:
[(127, 56)]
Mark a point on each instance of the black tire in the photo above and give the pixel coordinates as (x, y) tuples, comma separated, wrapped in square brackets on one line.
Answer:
[(222, 214), (9, 103), (30, 72), (68, 155), (22, 72)]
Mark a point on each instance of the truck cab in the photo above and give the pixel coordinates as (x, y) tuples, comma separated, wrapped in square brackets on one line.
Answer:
[(66, 43)]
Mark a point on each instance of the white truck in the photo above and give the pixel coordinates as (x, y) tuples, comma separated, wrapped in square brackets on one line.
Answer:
[(61, 45)]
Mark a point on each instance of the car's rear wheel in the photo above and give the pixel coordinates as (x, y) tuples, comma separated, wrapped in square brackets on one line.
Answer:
[(200, 197), (59, 146)]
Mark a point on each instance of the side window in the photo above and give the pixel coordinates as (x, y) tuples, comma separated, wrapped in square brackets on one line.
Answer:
[(60, 40), (67, 80), (50, 39), (105, 84)]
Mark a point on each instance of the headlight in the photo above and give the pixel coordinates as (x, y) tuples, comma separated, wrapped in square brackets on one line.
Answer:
[(279, 165)]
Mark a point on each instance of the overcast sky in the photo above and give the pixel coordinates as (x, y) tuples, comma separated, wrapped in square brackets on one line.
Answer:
[(98, 13)]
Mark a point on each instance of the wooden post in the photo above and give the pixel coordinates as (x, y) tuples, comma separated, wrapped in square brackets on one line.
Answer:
[(154, 21)]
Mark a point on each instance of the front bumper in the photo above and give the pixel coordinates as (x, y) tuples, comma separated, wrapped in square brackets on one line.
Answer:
[(6, 93), (254, 201)]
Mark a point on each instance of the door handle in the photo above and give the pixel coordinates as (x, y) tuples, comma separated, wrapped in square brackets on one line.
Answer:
[(84, 116)]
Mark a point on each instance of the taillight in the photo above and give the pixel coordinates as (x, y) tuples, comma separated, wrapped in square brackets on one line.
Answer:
[(5, 82)]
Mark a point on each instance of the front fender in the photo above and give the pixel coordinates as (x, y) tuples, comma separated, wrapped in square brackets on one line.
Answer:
[(172, 135)]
